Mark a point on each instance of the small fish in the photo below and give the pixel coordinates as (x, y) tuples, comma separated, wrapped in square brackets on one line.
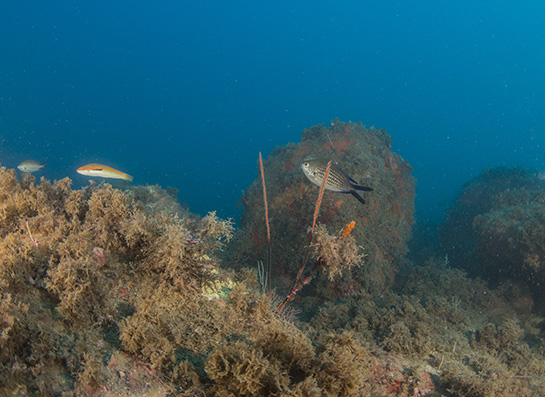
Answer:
[(31, 166), (103, 171), (337, 180)]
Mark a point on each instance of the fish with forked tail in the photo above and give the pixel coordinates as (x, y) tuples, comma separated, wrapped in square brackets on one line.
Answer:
[(31, 166), (337, 180)]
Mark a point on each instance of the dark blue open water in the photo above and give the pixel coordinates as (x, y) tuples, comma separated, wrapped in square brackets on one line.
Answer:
[(185, 94)]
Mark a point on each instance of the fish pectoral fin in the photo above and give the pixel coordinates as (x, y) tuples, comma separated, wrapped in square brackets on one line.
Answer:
[(363, 188), (358, 196)]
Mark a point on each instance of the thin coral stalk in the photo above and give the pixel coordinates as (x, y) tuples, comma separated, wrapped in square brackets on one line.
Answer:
[(316, 210), (268, 227)]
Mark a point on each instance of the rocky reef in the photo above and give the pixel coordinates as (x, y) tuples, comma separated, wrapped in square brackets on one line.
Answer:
[(457, 236), (495, 230), (84, 273), (109, 292), (106, 291), (382, 225)]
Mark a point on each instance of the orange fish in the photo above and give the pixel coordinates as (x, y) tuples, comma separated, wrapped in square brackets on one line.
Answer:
[(103, 171)]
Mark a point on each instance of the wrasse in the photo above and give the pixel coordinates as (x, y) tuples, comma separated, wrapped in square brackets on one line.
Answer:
[(103, 171)]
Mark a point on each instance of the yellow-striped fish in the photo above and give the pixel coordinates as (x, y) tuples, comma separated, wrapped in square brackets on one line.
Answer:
[(103, 171)]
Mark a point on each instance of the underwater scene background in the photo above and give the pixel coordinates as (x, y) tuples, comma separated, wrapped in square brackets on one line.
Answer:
[(159, 286)]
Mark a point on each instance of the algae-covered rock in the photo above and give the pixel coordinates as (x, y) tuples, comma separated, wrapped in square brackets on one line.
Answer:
[(382, 225), (511, 240), (496, 230), (456, 236), (86, 272), (104, 291)]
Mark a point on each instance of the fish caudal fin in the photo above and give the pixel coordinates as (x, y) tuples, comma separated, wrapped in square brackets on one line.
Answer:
[(358, 196), (362, 188), (358, 188)]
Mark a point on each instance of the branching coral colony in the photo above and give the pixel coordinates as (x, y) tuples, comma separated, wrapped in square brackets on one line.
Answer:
[(333, 252)]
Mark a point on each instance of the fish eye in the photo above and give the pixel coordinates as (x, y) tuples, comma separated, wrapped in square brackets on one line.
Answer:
[(305, 165)]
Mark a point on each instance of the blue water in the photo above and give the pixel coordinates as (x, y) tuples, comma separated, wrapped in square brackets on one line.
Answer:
[(185, 94)]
